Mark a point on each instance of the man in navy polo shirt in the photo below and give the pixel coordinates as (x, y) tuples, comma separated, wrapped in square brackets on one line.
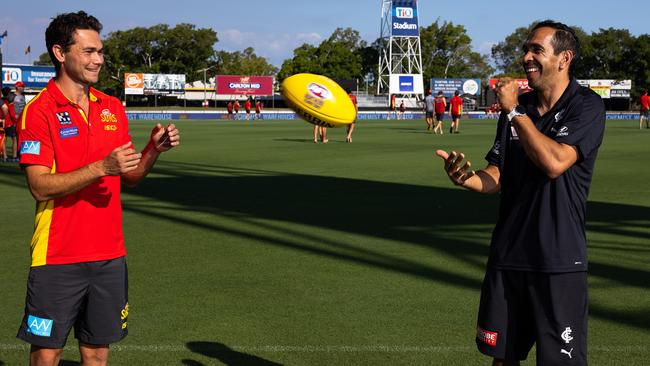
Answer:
[(541, 163)]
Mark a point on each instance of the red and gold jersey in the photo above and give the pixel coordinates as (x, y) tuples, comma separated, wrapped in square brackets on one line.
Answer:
[(55, 132), (456, 103), (645, 102)]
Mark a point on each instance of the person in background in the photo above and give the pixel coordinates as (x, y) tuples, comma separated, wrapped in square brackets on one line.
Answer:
[(455, 111), (644, 113), (350, 127)]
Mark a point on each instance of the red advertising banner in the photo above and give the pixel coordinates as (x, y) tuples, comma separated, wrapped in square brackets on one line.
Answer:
[(523, 84), (244, 85)]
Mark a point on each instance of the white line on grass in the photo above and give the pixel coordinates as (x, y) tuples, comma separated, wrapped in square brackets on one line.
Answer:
[(322, 348)]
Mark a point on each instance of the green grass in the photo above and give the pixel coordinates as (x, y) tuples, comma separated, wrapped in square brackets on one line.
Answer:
[(250, 245)]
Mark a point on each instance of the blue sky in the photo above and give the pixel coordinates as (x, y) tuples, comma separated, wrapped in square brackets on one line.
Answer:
[(275, 28)]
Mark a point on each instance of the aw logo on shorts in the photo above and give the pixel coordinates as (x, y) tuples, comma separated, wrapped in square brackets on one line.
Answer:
[(39, 326)]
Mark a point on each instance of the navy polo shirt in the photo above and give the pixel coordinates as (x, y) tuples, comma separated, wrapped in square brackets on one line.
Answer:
[(541, 225)]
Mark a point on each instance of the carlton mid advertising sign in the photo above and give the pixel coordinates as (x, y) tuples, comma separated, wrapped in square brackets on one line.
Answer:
[(244, 85), (405, 18)]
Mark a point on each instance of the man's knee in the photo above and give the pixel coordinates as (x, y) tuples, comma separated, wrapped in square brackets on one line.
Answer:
[(40, 356), (93, 355)]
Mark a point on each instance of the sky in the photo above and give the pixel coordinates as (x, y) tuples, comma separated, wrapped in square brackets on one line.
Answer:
[(274, 28)]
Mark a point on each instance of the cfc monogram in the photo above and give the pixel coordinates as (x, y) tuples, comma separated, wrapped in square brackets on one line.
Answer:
[(566, 335)]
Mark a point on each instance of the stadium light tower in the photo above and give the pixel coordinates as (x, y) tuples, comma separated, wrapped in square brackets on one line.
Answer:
[(400, 56)]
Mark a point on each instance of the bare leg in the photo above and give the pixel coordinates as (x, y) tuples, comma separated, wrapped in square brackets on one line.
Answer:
[(93, 355), (39, 356), (350, 130), (316, 133), (323, 134)]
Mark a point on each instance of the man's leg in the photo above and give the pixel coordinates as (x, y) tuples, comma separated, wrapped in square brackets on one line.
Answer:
[(39, 356), (457, 124), (92, 355)]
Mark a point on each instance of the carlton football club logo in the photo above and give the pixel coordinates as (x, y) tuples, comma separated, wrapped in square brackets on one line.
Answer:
[(319, 91)]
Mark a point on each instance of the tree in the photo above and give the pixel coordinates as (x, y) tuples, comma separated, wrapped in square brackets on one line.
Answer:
[(507, 54), (244, 62), (44, 60), (338, 57), (447, 52)]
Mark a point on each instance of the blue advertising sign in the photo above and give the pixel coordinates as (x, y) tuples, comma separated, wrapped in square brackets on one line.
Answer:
[(449, 86), (405, 18), (34, 77), (406, 83)]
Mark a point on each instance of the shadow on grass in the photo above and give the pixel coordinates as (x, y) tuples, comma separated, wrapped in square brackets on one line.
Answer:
[(225, 354)]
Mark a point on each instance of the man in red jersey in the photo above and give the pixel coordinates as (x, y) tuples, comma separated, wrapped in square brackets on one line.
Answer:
[(76, 151), (258, 109), (455, 110), (247, 107), (645, 110), (350, 128), (10, 119), (229, 108), (236, 107), (440, 104)]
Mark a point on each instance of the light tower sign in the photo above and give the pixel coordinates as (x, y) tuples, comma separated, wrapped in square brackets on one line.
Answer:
[(400, 56)]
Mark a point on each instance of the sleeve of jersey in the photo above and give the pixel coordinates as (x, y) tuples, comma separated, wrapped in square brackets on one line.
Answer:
[(35, 139), (585, 127), (493, 156)]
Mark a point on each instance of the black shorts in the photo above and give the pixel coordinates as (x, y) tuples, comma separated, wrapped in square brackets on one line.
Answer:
[(455, 116), (10, 131), (91, 296), (645, 113), (521, 308), (439, 116), (428, 114)]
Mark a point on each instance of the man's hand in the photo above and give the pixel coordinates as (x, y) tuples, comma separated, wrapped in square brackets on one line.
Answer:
[(457, 174), (164, 138), (507, 92), (122, 159)]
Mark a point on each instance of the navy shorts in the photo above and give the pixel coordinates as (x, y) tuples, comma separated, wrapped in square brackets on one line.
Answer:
[(519, 309), (91, 296), (10, 131), (455, 116), (439, 116), (645, 113), (428, 114)]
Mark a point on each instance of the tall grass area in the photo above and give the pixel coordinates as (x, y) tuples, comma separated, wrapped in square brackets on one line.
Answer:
[(251, 245)]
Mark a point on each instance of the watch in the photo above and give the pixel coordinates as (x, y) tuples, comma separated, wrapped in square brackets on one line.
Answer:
[(517, 111)]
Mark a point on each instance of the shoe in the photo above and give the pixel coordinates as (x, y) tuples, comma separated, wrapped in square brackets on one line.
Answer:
[(315, 141), (326, 141), (451, 130)]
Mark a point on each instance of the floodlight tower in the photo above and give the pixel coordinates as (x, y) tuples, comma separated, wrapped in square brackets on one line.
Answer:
[(400, 56)]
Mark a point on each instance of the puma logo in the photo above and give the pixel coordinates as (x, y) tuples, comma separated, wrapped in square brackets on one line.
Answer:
[(568, 353)]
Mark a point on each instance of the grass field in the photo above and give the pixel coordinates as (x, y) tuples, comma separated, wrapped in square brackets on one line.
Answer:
[(250, 245)]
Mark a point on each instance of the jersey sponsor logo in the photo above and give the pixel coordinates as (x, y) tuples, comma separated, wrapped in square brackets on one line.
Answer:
[(558, 116), (107, 116), (566, 335), (568, 353), (39, 326), (67, 132), (496, 148), (30, 147), (486, 336), (110, 127), (124, 314), (64, 118)]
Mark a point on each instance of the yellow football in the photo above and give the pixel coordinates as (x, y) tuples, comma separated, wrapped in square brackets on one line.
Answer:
[(318, 100)]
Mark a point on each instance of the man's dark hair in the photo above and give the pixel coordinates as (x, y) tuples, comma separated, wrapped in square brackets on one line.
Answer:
[(61, 31), (564, 39), (456, 93), (5, 91)]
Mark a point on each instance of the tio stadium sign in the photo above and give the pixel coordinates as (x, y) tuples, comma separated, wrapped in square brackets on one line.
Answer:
[(405, 19), (244, 85)]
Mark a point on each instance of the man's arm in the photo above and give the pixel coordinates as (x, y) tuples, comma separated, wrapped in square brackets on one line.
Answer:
[(483, 181), (162, 139), (552, 157), (46, 186)]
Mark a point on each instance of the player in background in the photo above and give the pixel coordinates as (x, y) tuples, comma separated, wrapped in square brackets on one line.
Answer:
[(10, 119), (429, 102), (402, 109), (247, 107), (350, 127), (644, 113), (236, 109), (391, 107), (258, 109), (455, 110), (440, 105), (229, 108)]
